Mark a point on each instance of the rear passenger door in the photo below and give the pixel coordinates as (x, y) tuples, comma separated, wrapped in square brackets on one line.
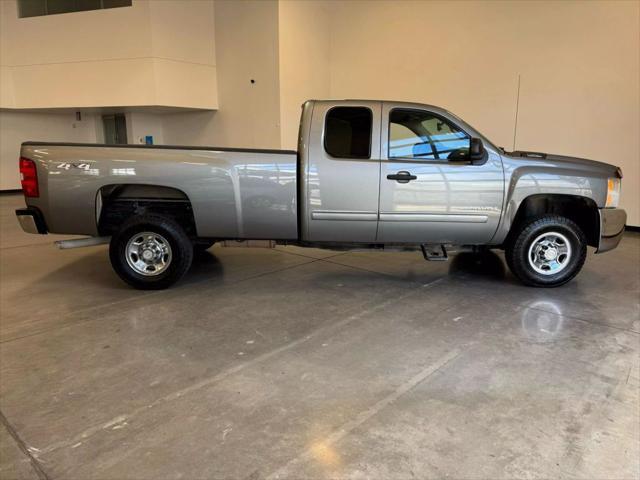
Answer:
[(343, 172)]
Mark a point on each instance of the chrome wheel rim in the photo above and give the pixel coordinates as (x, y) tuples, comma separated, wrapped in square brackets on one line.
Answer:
[(550, 253), (148, 253)]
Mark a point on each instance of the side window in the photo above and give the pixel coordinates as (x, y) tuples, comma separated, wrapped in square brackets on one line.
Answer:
[(347, 132), (421, 135)]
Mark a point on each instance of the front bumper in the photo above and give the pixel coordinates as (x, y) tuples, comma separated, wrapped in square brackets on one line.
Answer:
[(612, 221), (31, 220)]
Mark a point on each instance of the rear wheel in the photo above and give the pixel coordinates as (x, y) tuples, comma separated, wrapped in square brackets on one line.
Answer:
[(547, 251), (150, 252)]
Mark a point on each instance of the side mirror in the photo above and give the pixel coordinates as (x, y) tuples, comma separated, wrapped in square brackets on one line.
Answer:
[(476, 150)]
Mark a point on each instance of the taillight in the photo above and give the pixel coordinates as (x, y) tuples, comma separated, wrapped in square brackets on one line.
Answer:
[(29, 177)]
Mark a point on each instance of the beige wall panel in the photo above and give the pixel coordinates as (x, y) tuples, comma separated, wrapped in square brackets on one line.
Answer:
[(248, 114), (191, 128), (182, 84), (304, 61), (6, 86), (247, 48), (85, 84), (141, 55), (183, 30), (92, 35), (131, 82)]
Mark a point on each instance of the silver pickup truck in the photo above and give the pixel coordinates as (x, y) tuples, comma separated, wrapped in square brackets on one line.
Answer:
[(367, 174)]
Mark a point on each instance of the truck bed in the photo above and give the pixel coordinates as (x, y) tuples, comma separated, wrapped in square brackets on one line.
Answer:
[(234, 193)]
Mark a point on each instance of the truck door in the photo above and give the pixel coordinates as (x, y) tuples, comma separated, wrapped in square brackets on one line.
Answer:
[(342, 174), (425, 195)]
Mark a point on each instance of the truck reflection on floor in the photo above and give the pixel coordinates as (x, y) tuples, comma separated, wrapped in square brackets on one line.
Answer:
[(542, 321)]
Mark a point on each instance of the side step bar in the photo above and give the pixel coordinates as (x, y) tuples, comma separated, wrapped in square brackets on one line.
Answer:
[(81, 242), (434, 253)]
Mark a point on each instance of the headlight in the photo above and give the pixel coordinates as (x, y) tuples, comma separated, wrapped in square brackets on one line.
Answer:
[(613, 192)]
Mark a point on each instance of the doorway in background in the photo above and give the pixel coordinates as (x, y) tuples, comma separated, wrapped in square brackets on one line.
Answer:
[(115, 129)]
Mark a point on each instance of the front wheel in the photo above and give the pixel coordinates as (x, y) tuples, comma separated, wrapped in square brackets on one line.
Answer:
[(547, 251), (150, 252)]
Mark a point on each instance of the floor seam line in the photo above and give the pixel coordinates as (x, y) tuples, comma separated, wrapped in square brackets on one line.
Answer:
[(22, 446), (367, 414), (232, 370)]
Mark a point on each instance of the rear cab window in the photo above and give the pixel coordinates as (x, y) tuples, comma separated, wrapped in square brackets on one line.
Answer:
[(347, 132)]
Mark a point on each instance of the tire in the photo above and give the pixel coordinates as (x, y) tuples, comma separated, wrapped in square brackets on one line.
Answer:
[(171, 252), (202, 245), (547, 251)]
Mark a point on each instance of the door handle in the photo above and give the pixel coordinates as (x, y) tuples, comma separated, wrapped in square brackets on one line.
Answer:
[(402, 177)]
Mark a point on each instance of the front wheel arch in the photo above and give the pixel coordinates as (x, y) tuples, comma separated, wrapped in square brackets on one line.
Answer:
[(581, 210)]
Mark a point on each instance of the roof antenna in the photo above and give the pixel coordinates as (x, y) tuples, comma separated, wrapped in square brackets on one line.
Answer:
[(515, 125)]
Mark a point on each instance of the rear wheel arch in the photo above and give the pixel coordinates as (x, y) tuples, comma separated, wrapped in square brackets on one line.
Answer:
[(581, 210), (115, 203)]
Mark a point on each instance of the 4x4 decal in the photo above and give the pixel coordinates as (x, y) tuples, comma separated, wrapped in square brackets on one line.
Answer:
[(68, 166)]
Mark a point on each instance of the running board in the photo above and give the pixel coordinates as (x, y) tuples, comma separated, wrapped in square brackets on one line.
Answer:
[(434, 253), (81, 242)]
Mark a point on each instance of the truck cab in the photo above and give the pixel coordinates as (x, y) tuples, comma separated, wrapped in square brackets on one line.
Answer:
[(390, 172)]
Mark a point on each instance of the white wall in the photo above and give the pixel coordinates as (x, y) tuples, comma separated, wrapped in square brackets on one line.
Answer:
[(17, 127), (284, 47), (142, 55), (304, 61), (578, 62), (248, 115), (192, 128), (140, 124)]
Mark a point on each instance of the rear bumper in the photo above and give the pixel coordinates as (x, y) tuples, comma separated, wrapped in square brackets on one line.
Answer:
[(31, 220), (612, 221)]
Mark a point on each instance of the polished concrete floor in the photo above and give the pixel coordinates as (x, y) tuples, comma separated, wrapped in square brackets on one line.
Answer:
[(293, 363)]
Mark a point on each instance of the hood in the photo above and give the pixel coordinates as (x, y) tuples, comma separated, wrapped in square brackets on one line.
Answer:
[(565, 161)]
